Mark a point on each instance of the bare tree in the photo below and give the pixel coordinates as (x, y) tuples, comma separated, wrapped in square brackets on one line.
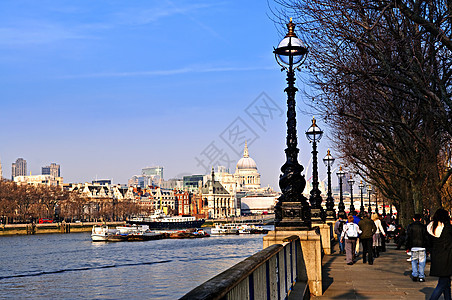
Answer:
[(382, 77)]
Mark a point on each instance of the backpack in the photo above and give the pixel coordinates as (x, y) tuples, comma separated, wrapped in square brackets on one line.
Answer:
[(352, 232), (341, 226)]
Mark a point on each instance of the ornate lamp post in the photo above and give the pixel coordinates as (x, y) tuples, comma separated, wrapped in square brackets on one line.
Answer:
[(351, 182), (369, 191), (341, 208), (361, 208), (384, 209), (292, 209), (314, 134), (329, 161)]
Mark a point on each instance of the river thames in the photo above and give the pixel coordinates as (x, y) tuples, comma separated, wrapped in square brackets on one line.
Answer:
[(71, 266)]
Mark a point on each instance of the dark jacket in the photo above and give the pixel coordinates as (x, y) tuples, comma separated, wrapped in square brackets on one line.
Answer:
[(417, 236), (367, 227), (441, 253)]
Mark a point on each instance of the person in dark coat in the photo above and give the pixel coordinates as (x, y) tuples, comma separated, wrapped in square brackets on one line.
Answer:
[(368, 229), (440, 231), (417, 242)]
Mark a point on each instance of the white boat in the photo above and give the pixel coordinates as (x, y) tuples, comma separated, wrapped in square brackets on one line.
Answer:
[(139, 233), (123, 233), (230, 228), (102, 233), (161, 221), (251, 229)]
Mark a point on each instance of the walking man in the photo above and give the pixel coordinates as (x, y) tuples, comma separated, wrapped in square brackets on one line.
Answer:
[(368, 229), (338, 227), (417, 243)]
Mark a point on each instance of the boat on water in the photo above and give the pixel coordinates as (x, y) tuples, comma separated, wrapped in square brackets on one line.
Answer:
[(189, 233), (237, 228), (139, 233), (103, 233), (252, 229), (229, 228), (159, 220)]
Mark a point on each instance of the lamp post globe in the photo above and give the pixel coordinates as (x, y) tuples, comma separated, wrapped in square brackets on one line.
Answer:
[(341, 207), (369, 191), (292, 209), (351, 182), (314, 134), (328, 160), (361, 208)]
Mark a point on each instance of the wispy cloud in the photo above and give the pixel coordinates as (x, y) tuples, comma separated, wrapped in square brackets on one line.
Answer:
[(184, 70), (188, 14), (36, 33), (141, 16)]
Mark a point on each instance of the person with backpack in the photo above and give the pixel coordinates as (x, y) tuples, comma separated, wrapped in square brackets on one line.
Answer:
[(368, 229), (338, 228), (350, 234)]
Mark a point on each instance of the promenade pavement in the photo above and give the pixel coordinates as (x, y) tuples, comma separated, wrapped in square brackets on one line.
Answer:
[(387, 278)]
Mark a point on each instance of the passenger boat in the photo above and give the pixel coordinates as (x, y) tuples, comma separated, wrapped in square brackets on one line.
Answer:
[(230, 228), (139, 233), (161, 221), (252, 229), (123, 233), (102, 233)]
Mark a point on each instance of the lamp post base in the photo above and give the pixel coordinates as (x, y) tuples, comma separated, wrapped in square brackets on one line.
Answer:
[(330, 214), (293, 215), (317, 215)]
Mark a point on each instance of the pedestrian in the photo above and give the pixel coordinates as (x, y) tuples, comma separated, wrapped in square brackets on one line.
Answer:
[(440, 231), (338, 228), (376, 238), (400, 236), (349, 236), (356, 220), (368, 229), (383, 234), (417, 241)]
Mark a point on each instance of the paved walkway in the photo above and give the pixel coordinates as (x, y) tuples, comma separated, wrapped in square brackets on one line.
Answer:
[(387, 278)]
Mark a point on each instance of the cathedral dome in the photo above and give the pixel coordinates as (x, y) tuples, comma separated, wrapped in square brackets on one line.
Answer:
[(246, 162)]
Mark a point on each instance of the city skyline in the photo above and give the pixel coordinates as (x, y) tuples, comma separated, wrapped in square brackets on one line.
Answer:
[(104, 91)]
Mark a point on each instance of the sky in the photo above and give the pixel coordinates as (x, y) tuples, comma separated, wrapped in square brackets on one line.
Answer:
[(106, 88)]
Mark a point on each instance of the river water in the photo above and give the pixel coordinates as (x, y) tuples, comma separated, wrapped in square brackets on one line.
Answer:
[(70, 266)]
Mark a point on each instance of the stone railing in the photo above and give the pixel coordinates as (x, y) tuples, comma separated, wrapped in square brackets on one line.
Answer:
[(268, 274)]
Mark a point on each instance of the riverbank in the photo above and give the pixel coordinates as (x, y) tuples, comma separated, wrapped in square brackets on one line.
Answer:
[(27, 229)]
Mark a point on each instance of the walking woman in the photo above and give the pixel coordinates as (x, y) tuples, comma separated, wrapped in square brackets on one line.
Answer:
[(377, 235), (440, 230), (350, 234)]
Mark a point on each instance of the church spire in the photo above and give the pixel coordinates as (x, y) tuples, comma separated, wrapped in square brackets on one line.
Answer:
[(213, 176), (245, 151)]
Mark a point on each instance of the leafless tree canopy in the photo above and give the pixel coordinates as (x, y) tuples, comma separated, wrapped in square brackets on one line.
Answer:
[(382, 77), (28, 203)]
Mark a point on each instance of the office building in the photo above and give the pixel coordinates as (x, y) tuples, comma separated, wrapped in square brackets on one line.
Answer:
[(153, 171), (193, 182), (53, 170), (19, 168)]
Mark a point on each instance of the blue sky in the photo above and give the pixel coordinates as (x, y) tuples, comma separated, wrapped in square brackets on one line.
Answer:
[(105, 88)]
